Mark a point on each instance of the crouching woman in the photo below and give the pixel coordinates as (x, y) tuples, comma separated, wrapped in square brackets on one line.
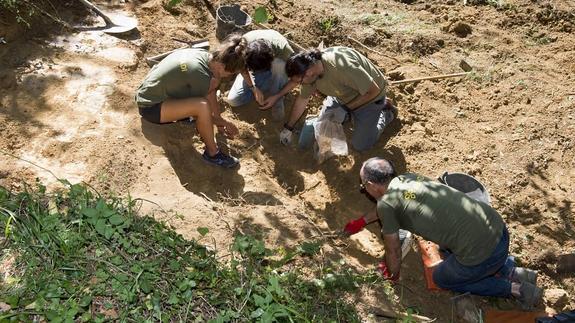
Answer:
[(184, 84)]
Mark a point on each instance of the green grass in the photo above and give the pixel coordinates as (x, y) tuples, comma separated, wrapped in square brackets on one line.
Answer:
[(77, 256), (327, 24)]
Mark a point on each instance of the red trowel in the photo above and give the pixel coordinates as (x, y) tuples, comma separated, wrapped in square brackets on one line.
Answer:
[(120, 24)]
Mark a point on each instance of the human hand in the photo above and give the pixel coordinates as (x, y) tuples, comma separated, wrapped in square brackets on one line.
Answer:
[(269, 102), (258, 95), (354, 226), (387, 275), (285, 136)]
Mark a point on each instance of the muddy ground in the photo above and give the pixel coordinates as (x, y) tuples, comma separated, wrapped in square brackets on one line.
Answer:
[(66, 104)]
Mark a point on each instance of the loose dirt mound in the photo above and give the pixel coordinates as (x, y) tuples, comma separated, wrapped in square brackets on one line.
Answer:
[(66, 103)]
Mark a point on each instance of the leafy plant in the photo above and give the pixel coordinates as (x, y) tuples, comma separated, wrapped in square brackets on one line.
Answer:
[(172, 3), (327, 24), (261, 15), (81, 256)]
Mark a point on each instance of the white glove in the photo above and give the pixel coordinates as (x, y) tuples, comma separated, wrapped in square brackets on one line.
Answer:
[(285, 136)]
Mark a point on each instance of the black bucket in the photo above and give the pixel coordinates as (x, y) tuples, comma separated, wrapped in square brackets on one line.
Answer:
[(230, 19), (466, 184)]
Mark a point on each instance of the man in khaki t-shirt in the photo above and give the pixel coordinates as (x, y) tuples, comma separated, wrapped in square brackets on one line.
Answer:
[(352, 84), (473, 234)]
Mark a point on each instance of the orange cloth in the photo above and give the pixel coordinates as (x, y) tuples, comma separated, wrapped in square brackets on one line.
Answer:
[(431, 257), (495, 316)]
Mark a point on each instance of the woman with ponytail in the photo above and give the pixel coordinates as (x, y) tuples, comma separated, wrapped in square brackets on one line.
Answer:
[(264, 79), (184, 84), (352, 84)]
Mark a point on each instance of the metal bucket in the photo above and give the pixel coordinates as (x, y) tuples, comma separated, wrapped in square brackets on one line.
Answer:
[(466, 184), (230, 19)]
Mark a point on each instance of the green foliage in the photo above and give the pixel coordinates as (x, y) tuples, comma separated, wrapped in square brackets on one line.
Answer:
[(327, 24), (23, 11), (173, 3), (79, 256), (261, 15)]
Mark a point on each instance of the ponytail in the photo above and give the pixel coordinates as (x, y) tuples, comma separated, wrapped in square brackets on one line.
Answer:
[(299, 63), (232, 53)]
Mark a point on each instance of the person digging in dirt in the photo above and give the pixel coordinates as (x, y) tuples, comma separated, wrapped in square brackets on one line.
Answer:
[(266, 56), (474, 233), (183, 85), (353, 85)]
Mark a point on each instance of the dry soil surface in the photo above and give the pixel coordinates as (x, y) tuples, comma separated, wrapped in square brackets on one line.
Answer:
[(66, 104)]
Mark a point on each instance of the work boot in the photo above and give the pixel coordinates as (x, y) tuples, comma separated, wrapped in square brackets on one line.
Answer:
[(530, 296), (524, 275), (221, 159)]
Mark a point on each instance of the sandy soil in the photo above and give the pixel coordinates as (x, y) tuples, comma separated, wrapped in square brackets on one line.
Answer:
[(66, 104)]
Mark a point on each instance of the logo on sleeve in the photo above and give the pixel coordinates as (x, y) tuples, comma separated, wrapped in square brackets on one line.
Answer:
[(183, 67)]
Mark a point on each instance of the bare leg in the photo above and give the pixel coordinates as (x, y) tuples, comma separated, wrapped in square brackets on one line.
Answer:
[(177, 109)]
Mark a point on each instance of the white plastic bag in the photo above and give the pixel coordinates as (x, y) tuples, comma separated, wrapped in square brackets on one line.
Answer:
[(330, 140)]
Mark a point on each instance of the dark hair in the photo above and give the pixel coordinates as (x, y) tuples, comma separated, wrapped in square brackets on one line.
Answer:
[(259, 55), (378, 171), (232, 53), (299, 63)]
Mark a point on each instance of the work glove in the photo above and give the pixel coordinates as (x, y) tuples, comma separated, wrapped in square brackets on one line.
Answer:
[(354, 226), (382, 268), (285, 136)]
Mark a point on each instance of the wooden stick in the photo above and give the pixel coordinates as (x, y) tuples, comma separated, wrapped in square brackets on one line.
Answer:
[(437, 77), (402, 315), (371, 49), (294, 44)]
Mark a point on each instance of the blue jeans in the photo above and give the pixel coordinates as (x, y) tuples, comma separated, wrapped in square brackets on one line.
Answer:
[(269, 82), (369, 121), (489, 278)]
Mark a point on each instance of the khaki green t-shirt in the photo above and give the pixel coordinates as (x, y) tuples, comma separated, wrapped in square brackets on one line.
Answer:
[(441, 214), (347, 74), (182, 74), (280, 45)]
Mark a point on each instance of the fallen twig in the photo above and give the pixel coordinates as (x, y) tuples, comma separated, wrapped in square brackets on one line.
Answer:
[(31, 163), (402, 315), (436, 77), (309, 189), (371, 49), (206, 197)]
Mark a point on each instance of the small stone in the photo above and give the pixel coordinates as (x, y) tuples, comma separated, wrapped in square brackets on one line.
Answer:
[(460, 29), (556, 297)]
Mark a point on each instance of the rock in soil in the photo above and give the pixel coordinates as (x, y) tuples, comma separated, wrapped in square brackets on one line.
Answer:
[(556, 297)]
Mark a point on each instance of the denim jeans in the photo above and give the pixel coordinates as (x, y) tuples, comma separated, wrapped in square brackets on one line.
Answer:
[(269, 82), (369, 121), (489, 278)]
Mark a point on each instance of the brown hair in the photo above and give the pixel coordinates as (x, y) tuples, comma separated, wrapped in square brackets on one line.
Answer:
[(232, 53), (297, 64)]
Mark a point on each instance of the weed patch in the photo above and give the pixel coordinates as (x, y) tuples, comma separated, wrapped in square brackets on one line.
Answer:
[(79, 256)]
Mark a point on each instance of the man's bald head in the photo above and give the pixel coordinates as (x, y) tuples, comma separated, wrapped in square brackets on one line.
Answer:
[(377, 170)]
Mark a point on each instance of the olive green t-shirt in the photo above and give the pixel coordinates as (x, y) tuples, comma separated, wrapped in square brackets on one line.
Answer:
[(441, 214), (347, 74), (182, 74), (280, 45)]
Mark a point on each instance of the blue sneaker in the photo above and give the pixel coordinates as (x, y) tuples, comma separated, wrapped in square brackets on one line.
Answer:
[(221, 159)]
